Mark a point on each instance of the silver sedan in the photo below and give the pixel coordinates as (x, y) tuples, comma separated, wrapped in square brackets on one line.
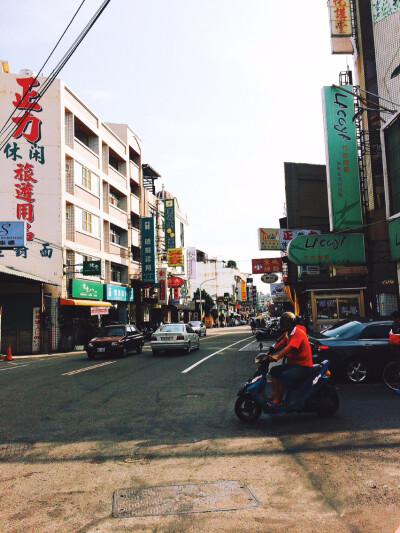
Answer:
[(174, 337), (198, 327)]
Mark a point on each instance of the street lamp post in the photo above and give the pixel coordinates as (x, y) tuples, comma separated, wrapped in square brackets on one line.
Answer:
[(201, 304)]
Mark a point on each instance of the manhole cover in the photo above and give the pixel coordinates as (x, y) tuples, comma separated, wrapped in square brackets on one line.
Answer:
[(178, 499)]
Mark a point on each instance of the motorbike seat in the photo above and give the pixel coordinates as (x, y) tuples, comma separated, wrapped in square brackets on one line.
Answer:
[(312, 372)]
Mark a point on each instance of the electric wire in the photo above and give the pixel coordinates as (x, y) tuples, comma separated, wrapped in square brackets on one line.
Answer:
[(39, 71), (62, 62)]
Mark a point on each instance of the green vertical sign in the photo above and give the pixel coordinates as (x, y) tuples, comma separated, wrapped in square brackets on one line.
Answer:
[(341, 156), (394, 239), (169, 223)]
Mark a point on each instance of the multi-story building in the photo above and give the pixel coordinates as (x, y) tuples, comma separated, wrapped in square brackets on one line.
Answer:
[(74, 181)]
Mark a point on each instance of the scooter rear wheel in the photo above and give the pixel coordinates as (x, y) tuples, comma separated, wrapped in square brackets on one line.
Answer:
[(246, 409)]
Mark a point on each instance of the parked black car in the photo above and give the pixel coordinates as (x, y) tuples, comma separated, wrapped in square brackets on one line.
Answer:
[(116, 339), (357, 350)]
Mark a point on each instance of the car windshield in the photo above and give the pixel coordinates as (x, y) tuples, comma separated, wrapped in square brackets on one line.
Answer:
[(194, 324), (342, 331), (172, 328), (112, 332)]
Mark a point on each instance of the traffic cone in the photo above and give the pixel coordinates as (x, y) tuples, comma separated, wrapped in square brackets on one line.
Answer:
[(9, 356)]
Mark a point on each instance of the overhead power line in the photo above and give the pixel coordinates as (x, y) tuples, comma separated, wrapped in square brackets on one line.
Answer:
[(42, 90)]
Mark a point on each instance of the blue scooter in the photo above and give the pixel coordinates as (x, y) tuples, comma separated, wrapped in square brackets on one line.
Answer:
[(313, 394)]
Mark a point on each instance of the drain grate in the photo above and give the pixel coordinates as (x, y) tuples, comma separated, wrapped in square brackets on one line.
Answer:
[(179, 499)]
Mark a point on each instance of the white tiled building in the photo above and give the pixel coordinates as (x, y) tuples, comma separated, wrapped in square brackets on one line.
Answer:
[(76, 182)]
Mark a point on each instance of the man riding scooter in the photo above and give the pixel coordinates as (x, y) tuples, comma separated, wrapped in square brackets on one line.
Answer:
[(295, 346)]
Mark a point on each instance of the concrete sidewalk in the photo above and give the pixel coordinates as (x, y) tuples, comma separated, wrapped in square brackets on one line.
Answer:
[(41, 355)]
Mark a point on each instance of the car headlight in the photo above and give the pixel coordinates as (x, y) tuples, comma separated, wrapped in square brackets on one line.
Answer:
[(90, 344), (115, 343)]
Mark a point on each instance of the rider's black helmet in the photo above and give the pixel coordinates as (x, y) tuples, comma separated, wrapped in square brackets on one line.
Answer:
[(288, 321)]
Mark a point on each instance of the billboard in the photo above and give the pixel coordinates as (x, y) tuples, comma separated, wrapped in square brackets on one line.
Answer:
[(277, 289), (148, 250), (30, 169), (341, 156), (331, 249), (243, 292), (175, 257), (268, 238), (266, 265)]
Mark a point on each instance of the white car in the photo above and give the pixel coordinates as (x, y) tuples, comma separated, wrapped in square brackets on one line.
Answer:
[(198, 327), (174, 337)]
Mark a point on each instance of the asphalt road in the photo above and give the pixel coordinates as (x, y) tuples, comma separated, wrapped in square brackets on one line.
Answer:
[(72, 431)]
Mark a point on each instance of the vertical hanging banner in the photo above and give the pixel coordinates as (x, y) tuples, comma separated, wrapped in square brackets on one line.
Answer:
[(340, 18), (192, 263), (243, 292), (341, 156), (148, 250), (169, 222), (163, 290)]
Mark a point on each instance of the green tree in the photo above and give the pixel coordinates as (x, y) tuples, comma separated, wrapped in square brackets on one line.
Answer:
[(231, 264), (209, 302)]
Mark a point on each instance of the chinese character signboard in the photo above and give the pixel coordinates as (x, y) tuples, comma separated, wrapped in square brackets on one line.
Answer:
[(266, 265), (91, 268), (81, 288), (169, 223), (331, 249), (175, 257), (342, 163), (118, 293), (192, 263), (340, 18), (36, 330), (254, 295), (162, 291), (268, 238), (30, 163), (243, 292), (148, 251)]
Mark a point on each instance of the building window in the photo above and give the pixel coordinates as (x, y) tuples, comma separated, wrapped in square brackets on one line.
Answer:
[(114, 199), (115, 235), (86, 178), (87, 222), (116, 274)]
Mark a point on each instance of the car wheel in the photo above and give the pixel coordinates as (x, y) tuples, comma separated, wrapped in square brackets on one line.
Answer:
[(91, 355), (356, 371), (188, 348), (205, 333), (124, 352), (139, 348)]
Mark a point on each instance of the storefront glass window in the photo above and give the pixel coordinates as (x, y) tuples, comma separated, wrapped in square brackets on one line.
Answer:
[(337, 307), (348, 308)]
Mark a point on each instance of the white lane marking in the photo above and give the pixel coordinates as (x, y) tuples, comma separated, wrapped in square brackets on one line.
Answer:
[(212, 355), (88, 368), (12, 367)]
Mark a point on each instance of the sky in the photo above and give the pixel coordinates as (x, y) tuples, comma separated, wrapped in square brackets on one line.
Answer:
[(221, 92)]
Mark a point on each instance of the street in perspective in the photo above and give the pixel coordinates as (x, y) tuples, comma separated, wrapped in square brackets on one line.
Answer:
[(200, 267)]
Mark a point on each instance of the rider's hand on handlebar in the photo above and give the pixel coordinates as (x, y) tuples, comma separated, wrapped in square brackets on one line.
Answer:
[(273, 358)]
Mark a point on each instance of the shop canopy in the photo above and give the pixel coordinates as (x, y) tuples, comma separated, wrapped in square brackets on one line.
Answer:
[(91, 303)]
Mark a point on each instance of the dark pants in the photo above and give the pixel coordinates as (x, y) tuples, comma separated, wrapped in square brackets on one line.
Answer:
[(288, 374)]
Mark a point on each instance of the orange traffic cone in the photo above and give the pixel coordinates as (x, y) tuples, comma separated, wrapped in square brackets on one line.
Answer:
[(9, 356)]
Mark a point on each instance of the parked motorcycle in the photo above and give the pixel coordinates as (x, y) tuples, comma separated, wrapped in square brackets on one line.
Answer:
[(271, 331), (312, 394)]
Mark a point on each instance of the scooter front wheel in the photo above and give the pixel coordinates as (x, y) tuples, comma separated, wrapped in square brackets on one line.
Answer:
[(246, 409)]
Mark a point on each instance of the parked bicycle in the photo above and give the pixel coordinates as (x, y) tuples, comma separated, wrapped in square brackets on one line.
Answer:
[(391, 376)]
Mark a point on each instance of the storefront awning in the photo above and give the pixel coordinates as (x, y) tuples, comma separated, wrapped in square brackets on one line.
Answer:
[(91, 303), (19, 274)]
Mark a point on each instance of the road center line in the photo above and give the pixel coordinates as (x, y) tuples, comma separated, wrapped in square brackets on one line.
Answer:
[(88, 368), (212, 355)]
